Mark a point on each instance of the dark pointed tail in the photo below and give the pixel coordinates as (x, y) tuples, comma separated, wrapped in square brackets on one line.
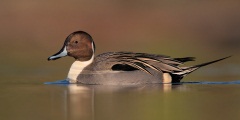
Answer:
[(187, 70), (204, 64)]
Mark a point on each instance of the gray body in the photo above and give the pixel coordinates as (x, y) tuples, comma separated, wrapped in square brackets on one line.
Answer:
[(100, 71), (119, 77)]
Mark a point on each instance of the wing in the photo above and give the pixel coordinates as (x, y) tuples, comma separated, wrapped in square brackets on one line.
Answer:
[(126, 61)]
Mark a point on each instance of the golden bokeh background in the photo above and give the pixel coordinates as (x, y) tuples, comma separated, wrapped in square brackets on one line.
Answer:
[(33, 30)]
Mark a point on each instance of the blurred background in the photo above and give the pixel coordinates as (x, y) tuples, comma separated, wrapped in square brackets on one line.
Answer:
[(31, 31)]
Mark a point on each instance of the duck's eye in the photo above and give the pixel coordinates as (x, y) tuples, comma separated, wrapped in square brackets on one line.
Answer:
[(76, 42)]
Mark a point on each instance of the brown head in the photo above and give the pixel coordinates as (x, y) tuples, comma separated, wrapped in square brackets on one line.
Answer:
[(78, 45)]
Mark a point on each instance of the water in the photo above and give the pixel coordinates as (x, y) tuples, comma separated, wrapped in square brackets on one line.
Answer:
[(96, 102)]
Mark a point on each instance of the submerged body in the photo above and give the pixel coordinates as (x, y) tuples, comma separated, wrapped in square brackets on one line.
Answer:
[(120, 68)]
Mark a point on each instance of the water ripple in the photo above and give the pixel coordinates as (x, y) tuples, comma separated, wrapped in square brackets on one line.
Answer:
[(208, 82)]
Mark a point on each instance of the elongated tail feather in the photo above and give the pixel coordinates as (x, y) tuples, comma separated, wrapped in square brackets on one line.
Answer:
[(207, 63), (177, 76)]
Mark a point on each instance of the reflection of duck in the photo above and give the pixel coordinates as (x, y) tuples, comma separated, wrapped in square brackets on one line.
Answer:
[(120, 67), (80, 102), (83, 101)]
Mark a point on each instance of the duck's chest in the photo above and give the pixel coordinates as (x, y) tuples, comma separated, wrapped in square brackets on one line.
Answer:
[(76, 69)]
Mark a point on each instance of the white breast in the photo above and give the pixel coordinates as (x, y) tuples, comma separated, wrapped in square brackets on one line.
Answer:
[(76, 69)]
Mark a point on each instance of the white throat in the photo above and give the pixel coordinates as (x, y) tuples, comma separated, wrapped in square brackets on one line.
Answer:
[(77, 68)]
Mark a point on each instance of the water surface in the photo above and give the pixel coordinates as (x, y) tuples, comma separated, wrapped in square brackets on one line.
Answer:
[(95, 102)]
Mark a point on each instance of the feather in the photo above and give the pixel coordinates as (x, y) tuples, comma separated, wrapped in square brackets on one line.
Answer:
[(137, 66), (146, 64)]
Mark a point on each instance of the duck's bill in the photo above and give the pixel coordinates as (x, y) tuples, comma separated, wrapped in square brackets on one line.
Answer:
[(61, 53)]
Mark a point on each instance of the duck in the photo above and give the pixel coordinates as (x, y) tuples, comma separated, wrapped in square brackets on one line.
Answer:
[(120, 68)]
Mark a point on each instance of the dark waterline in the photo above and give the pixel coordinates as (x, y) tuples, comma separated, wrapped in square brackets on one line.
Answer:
[(194, 82)]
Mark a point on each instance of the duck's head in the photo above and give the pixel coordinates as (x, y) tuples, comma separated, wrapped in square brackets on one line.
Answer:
[(78, 45)]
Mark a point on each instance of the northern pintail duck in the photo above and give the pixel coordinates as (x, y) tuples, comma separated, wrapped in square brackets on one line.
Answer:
[(120, 68)]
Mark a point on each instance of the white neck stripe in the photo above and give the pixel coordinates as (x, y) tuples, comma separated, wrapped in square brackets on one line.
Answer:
[(77, 68), (93, 47)]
